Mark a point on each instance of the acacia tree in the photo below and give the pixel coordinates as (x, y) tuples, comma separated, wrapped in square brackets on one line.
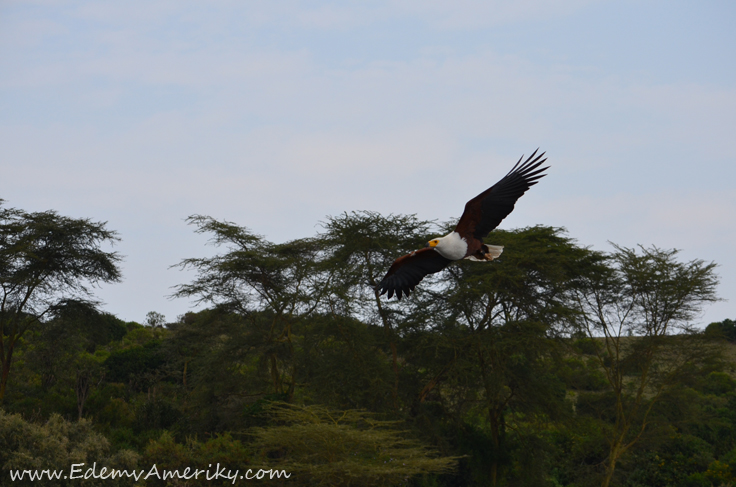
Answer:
[(638, 311), (253, 275), (499, 319), (360, 247), (334, 274), (46, 260), (321, 446)]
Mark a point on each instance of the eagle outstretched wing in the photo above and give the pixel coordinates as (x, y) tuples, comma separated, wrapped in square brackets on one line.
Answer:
[(484, 212), (407, 271)]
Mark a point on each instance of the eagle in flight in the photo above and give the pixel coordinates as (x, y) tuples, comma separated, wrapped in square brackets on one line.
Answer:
[(482, 214)]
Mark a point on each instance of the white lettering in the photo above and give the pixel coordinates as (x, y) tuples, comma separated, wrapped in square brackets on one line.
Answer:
[(17, 474), (120, 473), (188, 473), (73, 470), (91, 471), (53, 474), (208, 472), (150, 472), (279, 473)]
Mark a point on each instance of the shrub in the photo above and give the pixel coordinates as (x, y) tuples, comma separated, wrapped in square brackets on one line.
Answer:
[(56, 445)]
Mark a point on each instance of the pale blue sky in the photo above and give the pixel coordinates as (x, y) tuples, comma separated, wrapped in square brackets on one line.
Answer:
[(273, 114)]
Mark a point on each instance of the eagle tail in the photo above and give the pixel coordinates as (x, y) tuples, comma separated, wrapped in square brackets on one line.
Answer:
[(486, 253)]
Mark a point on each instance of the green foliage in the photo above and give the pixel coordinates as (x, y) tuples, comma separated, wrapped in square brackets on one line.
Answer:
[(56, 445), (156, 414), (216, 355), (137, 366), (639, 307), (253, 273), (46, 260), (167, 454), (579, 375), (89, 327), (549, 366), (321, 446), (719, 383), (154, 319), (359, 248), (63, 355), (725, 329), (110, 404), (681, 462), (495, 324), (341, 363), (587, 346)]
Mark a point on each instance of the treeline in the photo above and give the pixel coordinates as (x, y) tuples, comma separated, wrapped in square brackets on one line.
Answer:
[(554, 365)]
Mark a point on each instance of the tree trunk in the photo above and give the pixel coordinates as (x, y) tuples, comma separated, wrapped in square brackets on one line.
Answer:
[(395, 357), (611, 464), (495, 417), (82, 392), (5, 373), (3, 381), (394, 354), (275, 375), (496, 434)]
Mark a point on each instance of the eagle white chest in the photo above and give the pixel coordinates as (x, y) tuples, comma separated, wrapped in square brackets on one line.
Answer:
[(452, 246)]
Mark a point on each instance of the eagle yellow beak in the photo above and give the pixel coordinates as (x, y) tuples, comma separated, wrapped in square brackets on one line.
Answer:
[(433, 243)]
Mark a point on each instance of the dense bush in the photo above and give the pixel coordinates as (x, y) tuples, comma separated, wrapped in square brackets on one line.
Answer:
[(56, 445)]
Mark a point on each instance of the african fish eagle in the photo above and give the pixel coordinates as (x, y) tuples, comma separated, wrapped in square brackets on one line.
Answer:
[(482, 214)]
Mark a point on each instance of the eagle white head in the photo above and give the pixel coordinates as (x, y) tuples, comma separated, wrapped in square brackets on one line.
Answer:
[(452, 246)]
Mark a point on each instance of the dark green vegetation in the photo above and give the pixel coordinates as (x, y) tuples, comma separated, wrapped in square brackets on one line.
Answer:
[(553, 366)]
